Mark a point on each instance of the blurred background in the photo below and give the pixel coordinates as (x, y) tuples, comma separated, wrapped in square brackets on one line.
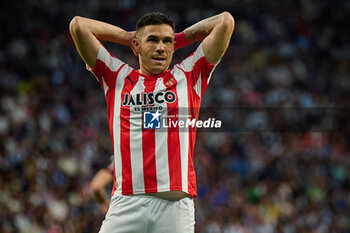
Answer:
[(53, 121)]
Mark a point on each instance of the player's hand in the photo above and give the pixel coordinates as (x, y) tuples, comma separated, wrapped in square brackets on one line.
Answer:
[(133, 37)]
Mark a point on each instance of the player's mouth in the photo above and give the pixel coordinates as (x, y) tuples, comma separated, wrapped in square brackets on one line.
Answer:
[(159, 59)]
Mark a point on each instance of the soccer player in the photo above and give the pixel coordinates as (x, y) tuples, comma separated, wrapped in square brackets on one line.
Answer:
[(153, 168)]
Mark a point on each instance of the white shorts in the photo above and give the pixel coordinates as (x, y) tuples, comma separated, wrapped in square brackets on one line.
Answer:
[(148, 214)]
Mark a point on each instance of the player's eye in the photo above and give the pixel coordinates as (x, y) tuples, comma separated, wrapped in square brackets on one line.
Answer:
[(167, 41), (152, 39)]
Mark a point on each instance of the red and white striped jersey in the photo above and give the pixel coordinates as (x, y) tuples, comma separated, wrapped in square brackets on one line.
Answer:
[(152, 160)]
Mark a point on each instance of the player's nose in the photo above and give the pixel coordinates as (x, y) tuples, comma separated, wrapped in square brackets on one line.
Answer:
[(160, 47)]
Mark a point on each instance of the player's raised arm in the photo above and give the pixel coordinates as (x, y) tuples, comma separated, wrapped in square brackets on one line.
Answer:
[(86, 34), (215, 32)]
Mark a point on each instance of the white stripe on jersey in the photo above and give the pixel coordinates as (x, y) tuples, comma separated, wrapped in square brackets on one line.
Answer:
[(198, 86), (119, 84), (111, 62), (105, 86), (188, 64), (138, 184), (181, 89), (161, 147), (211, 72)]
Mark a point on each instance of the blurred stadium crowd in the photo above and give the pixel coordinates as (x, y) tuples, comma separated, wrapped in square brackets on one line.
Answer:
[(53, 122)]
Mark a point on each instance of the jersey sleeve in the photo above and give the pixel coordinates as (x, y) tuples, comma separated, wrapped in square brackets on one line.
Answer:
[(198, 70), (106, 68)]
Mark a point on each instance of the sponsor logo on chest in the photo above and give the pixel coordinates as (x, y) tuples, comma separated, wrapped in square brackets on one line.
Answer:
[(151, 98)]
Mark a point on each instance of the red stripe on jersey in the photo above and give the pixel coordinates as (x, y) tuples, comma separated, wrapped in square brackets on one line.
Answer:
[(125, 144), (149, 147), (110, 99), (174, 155), (193, 110), (192, 186)]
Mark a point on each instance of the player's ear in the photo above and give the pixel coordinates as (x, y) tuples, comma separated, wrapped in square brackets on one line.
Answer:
[(135, 46)]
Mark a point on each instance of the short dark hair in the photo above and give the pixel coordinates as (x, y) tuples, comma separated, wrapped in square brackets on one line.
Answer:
[(155, 18)]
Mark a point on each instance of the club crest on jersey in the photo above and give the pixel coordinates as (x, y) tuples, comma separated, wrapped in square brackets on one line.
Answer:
[(151, 120), (149, 98)]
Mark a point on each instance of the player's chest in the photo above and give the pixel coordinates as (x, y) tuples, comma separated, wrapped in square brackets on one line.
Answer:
[(144, 93)]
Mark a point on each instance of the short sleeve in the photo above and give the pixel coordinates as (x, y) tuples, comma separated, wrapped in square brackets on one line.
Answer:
[(106, 68), (198, 70)]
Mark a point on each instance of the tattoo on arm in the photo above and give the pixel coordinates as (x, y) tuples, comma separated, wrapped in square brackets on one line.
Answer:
[(201, 29)]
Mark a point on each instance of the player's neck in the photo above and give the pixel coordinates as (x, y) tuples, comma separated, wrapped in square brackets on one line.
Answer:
[(144, 72)]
